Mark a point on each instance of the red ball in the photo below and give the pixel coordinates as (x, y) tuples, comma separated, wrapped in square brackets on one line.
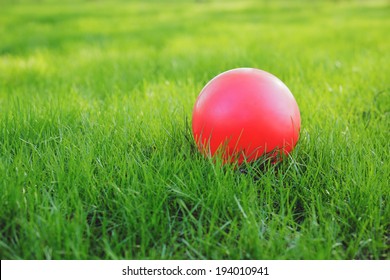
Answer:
[(245, 113)]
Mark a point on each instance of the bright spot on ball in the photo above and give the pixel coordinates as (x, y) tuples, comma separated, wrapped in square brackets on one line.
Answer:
[(245, 113)]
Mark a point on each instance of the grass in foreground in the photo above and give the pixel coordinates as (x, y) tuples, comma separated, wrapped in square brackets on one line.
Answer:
[(97, 159)]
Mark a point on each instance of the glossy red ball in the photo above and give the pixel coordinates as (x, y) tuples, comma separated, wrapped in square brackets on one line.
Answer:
[(245, 113)]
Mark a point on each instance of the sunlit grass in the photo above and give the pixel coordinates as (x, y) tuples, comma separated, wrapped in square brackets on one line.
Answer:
[(97, 159)]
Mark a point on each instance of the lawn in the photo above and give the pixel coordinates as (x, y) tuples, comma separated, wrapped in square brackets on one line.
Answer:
[(97, 159)]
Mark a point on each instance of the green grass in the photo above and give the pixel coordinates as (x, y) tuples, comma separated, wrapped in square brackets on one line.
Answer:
[(97, 159)]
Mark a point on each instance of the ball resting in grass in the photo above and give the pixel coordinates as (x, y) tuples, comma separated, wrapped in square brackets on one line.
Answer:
[(243, 114)]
